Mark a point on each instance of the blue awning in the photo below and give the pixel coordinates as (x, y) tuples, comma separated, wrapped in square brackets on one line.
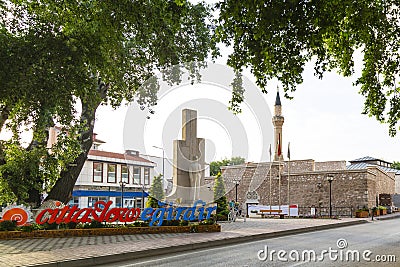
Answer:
[(96, 193)]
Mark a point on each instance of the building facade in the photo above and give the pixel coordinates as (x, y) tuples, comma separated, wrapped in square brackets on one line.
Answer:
[(308, 183), (110, 176)]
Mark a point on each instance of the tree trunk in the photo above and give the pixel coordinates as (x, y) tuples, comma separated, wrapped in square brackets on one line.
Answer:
[(33, 198), (62, 190)]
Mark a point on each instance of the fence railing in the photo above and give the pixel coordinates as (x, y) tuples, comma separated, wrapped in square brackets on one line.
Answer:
[(324, 211)]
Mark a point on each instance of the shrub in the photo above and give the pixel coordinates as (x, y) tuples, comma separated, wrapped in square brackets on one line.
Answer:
[(222, 217), (8, 225), (26, 228), (207, 222), (171, 223), (93, 224), (183, 223)]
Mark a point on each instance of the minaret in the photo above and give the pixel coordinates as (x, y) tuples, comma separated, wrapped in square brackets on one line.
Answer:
[(277, 121)]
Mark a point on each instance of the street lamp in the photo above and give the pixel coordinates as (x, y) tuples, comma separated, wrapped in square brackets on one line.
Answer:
[(163, 157), (122, 184), (142, 207), (237, 182), (330, 179)]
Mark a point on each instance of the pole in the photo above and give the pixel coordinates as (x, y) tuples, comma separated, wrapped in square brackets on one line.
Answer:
[(279, 186), (163, 174), (270, 179), (142, 197), (330, 199), (122, 195), (288, 186), (236, 186)]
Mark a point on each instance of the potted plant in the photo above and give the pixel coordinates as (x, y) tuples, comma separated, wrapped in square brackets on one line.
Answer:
[(362, 213), (382, 210)]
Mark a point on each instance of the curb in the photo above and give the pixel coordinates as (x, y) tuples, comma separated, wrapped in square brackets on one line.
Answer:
[(105, 259), (388, 217)]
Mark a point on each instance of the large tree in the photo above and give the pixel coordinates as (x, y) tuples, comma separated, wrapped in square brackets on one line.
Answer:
[(275, 39), (57, 56)]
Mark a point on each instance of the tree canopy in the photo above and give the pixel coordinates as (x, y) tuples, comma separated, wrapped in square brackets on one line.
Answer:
[(275, 39), (57, 56), (396, 165), (215, 166)]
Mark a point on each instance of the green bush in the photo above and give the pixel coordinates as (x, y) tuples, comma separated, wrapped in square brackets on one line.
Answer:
[(171, 223), (207, 222), (93, 224), (183, 223), (222, 217), (26, 228), (8, 225), (224, 212)]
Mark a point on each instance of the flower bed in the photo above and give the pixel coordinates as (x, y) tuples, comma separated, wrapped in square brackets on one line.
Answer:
[(196, 228)]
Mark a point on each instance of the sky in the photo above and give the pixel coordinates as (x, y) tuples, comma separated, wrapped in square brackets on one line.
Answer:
[(323, 122)]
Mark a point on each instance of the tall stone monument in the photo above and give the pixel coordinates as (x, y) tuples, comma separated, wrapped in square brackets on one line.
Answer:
[(188, 163)]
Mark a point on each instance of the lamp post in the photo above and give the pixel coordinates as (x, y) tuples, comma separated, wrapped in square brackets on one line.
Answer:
[(237, 182), (142, 207), (330, 179), (163, 157), (122, 184)]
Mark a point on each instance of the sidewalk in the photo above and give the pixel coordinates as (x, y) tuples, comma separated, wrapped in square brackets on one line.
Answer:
[(86, 251)]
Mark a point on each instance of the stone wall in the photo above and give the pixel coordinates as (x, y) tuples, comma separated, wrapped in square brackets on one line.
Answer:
[(397, 184), (379, 182), (350, 188), (330, 165), (299, 165)]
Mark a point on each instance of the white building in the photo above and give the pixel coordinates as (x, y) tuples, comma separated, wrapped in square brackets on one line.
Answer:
[(108, 176)]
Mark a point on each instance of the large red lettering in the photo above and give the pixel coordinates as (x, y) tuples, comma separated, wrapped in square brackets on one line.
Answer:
[(132, 215), (70, 214), (98, 208), (41, 214), (114, 212), (60, 218), (85, 217)]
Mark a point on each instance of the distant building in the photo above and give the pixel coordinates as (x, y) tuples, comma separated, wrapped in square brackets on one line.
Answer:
[(104, 172), (108, 176), (306, 182)]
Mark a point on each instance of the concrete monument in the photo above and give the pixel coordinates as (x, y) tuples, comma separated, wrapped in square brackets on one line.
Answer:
[(188, 164)]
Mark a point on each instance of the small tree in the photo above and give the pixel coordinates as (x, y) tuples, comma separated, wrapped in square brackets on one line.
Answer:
[(396, 165), (156, 192), (219, 194), (215, 166)]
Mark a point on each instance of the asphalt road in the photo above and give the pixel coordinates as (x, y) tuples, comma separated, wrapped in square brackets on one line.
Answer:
[(373, 243)]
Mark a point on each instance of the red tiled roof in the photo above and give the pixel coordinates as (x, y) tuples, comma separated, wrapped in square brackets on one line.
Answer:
[(114, 155)]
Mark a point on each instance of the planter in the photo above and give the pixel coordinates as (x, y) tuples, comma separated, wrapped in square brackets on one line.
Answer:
[(383, 212), (110, 231), (362, 214)]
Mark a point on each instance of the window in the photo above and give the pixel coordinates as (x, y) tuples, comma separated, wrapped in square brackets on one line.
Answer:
[(92, 200), (146, 176), (74, 202), (118, 202), (112, 173), (124, 174), (97, 172), (136, 175), (139, 203)]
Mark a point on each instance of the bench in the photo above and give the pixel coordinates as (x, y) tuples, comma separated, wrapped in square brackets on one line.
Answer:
[(275, 213)]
